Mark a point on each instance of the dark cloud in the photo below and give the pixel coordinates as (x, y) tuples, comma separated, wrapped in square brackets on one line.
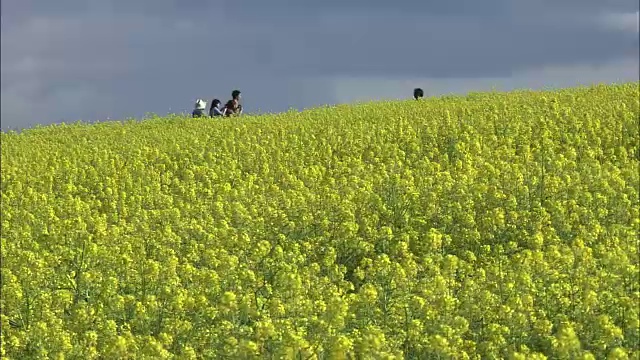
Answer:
[(309, 8), (448, 48), (93, 59)]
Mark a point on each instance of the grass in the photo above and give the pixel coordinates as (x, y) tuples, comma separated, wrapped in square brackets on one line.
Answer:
[(493, 225)]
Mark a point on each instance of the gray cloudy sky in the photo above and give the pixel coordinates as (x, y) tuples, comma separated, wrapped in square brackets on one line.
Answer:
[(67, 60)]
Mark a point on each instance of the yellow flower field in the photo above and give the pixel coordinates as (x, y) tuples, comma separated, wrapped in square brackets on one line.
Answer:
[(495, 225)]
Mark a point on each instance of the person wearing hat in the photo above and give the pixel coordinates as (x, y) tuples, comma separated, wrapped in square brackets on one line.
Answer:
[(199, 111)]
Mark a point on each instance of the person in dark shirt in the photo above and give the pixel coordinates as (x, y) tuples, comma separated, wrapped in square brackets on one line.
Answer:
[(200, 108), (215, 110), (418, 93), (230, 108), (233, 106)]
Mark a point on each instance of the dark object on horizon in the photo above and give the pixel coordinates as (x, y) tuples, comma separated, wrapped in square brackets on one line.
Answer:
[(418, 93), (215, 110), (199, 110)]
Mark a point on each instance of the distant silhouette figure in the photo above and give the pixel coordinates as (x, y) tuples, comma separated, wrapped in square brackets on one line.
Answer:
[(215, 110), (233, 106), (418, 93), (199, 110)]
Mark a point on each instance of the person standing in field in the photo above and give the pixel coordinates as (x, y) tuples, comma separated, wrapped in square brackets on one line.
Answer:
[(215, 110), (233, 106), (418, 93), (199, 110)]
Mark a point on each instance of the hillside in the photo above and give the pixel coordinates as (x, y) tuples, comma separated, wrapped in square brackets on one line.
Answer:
[(494, 225)]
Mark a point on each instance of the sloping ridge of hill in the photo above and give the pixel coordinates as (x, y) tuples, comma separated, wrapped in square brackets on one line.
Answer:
[(493, 225)]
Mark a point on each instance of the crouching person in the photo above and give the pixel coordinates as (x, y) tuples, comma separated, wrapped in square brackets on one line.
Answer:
[(215, 109)]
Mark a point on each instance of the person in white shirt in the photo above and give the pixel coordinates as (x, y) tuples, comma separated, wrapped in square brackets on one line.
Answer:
[(215, 108)]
